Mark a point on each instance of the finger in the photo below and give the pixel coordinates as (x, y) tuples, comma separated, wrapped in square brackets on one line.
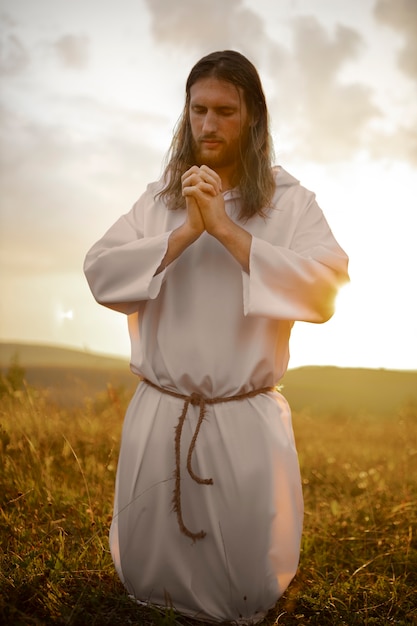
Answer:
[(196, 181), (199, 190), (190, 179), (193, 170), (210, 176), (208, 180), (196, 175)]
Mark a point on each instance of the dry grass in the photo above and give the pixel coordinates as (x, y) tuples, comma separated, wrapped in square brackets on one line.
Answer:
[(57, 470)]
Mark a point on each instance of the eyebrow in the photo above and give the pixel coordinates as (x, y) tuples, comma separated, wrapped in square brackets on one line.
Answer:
[(219, 108)]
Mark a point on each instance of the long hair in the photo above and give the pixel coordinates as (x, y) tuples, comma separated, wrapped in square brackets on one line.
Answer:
[(254, 173)]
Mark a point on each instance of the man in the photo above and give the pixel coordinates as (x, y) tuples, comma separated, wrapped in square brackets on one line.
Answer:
[(213, 265)]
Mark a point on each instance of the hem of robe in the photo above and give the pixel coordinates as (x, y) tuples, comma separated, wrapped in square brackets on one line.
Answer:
[(240, 621)]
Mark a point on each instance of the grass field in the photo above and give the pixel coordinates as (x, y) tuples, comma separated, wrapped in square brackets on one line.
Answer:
[(57, 471)]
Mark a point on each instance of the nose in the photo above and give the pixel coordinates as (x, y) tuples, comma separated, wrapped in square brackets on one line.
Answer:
[(210, 123)]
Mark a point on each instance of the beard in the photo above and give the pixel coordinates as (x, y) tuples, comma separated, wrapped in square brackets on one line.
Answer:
[(221, 155)]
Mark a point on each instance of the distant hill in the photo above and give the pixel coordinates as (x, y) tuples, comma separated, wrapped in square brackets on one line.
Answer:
[(30, 355), (357, 390), (71, 376)]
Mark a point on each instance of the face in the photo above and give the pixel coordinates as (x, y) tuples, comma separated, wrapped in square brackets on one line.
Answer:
[(219, 122)]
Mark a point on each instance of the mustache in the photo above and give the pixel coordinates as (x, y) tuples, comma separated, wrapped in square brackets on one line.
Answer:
[(209, 138)]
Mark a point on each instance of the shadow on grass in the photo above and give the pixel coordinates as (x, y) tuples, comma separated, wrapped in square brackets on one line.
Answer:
[(78, 599), (93, 598)]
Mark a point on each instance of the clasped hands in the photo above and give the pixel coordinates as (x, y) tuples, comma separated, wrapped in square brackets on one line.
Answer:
[(202, 189)]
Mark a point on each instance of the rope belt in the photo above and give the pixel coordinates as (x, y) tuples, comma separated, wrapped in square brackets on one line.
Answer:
[(194, 399)]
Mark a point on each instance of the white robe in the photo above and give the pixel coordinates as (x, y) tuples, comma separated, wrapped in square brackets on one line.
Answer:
[(204, 325)]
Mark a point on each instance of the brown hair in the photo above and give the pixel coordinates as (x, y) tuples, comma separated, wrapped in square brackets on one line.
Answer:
[(255, 176)]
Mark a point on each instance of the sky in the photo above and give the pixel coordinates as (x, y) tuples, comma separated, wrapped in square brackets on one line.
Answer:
[(91, 92)]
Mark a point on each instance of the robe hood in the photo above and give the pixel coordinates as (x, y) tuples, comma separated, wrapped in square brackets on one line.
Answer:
[(283, 178)]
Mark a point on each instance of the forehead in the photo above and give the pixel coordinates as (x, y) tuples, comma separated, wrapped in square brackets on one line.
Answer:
[(213, 92)]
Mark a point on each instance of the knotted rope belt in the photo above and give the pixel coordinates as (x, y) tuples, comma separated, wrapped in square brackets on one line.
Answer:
[(194, 399)]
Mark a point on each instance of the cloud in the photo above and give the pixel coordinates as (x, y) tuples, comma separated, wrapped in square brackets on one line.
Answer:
[(316, 50), (178, 25), (401, 16), (328, 116), (14, 57), (73, 51), (400, 145), (203, 27), (63, 186)]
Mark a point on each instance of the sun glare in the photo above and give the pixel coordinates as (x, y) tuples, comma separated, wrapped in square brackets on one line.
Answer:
[(344, 298), (66, 315)]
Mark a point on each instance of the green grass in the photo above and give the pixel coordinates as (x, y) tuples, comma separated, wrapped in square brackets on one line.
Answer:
[(57, 470)]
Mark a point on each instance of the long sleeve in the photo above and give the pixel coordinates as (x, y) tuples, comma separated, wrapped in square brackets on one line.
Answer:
[(298, 277), (120, 268)]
